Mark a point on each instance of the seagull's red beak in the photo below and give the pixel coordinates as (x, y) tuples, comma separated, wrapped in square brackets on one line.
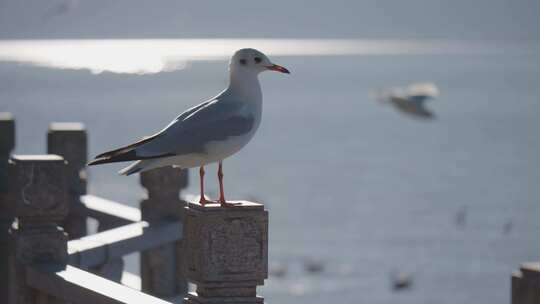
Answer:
[(278, 68)]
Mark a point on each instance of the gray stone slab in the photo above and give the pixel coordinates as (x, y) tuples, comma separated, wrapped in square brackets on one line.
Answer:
[(78, 286)]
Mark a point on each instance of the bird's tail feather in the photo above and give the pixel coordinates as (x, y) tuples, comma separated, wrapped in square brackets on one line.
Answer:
[(105, 159), (136, 167), (144, 165), (126, 153)]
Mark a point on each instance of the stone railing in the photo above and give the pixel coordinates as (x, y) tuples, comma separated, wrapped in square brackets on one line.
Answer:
[(47, 256), (526, 284)]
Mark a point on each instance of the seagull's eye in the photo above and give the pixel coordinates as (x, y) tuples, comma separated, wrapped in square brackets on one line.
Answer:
[(243, 61), (257, 59)]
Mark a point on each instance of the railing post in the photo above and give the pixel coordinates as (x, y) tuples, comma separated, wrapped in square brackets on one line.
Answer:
[(38, 199), (69, 140), (113, 268), (7, 143), (162, 268), (526, 284), (227, 252)]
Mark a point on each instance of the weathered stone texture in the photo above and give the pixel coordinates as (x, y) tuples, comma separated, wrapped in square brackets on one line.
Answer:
[(38, 187), (228, 252), (526, 284), (38, 196), (69, 140), (7, 143), (162, 268)]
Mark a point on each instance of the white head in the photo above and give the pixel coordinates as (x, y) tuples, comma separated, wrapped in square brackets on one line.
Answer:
[(253, 61)]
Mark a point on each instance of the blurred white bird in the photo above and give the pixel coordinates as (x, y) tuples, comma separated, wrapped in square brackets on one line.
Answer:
[(208, 132), (410, 100), (401, 280)]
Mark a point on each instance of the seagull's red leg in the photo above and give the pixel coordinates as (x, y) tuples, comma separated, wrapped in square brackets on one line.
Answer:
[(202, 200), (221, 199)]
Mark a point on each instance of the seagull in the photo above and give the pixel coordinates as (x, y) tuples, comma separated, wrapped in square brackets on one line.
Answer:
[(410, 100), (206, 133)]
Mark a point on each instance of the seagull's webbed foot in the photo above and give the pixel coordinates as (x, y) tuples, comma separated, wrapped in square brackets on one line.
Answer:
[(225, 204), (203, 201)]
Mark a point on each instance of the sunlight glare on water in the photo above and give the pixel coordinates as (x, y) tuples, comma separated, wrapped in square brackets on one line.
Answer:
[(147, 56)]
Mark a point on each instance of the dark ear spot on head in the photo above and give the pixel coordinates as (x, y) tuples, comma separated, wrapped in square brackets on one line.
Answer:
[(257, 59), (243, 61)]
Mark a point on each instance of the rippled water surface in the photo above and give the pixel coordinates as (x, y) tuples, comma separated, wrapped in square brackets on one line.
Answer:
[(348, 182)]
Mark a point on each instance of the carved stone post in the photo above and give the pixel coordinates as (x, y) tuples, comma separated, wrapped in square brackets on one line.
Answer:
[(526, 284), (162, 268), (227, 253), (69, 141), (7, 143), (38, 199)]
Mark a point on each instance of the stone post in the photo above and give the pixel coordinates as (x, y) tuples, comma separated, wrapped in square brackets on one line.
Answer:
[(526, 284), (113, 268), (227, 253), (7, 143), (162, 268), (69, 141), (38, 199)]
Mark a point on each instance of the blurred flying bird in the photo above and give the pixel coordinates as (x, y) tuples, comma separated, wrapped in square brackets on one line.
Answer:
[(313, 266), (401, 280), (410, 100), (208, 132), (278, 269)]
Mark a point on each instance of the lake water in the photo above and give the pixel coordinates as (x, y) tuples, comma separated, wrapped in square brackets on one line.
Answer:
[(348, 182)]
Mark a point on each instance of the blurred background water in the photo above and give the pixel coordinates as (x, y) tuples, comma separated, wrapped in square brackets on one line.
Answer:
[(351, 185)]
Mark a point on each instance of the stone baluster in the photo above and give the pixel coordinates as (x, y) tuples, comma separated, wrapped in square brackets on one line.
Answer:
[(162, 268), (227, 255), (526, 284), (39, 201), (69, 140), (7, 143), (114, 267)]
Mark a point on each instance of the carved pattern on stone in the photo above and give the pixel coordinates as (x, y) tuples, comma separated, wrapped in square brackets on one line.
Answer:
[(42, 246), (42, 192)]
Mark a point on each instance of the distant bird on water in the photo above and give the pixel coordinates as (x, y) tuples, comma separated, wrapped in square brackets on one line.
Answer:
[(410, 100), (208, 132), (401, 280)]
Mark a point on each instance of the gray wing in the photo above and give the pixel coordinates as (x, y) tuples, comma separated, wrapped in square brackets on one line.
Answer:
[(214, 120), (190, 111)]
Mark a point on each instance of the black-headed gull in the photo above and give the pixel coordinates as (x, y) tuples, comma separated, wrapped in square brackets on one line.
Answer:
[(208, 132), (410, 100)]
